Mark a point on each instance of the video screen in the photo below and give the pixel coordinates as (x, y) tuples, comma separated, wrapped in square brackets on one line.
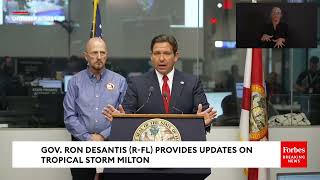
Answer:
[(66, 82), (50, 83), (215, 99), (34, 12), (276, 25), (239, 90), (299, 176)]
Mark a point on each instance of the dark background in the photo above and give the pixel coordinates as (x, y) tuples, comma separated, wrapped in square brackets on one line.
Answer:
[(300, 17)]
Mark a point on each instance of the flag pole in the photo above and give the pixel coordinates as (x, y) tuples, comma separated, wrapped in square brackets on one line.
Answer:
[(95, 6), (246, 98)]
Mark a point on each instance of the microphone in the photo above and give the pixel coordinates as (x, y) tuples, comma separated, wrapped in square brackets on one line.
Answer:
[(149, 95), (165, 95)]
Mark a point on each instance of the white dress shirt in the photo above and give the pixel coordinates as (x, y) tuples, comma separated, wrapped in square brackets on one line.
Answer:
[(170, 77)]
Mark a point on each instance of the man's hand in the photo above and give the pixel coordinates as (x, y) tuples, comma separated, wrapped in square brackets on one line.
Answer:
[(208, 114), (279, 42), (266, 38), (97, 137), (110, 110)]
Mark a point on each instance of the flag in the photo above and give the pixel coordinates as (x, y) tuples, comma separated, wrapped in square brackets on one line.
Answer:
[(96, 27), (253, 119)]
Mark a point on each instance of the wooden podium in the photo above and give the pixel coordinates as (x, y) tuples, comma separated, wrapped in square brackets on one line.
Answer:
[(191, 128)]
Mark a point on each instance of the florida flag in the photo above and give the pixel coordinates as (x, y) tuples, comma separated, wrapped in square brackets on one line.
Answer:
[(253, 119)]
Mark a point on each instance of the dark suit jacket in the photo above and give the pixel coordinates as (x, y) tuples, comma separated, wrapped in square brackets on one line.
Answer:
[(186, 94)]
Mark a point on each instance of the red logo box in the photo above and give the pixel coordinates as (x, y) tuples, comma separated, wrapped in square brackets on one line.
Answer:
[(294, 154)]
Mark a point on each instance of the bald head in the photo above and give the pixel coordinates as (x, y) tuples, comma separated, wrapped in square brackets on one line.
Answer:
[(96, 55), (92, 42)]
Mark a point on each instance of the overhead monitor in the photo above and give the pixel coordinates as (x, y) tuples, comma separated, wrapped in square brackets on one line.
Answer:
[(33, 12)]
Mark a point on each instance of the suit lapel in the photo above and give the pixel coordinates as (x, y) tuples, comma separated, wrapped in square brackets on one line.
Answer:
[(156, 97), (177, 87)]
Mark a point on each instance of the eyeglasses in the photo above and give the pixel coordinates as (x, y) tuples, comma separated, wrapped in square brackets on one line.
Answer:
[(164, 54), (95, 54)]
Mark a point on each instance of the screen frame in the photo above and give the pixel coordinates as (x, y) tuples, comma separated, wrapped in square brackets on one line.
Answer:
[(279, 175)]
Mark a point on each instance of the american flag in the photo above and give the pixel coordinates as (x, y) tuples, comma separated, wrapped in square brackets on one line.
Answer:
[(96, 27)]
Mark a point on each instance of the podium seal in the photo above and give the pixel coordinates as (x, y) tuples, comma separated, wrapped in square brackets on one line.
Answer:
[(157, 130)]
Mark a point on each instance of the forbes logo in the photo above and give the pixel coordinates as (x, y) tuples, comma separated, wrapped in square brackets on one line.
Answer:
[(294, 154), (293, 150)]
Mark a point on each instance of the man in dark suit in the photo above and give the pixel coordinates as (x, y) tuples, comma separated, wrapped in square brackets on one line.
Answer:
[(165, 89)]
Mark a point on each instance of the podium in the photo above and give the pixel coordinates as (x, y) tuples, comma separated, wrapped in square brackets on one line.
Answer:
[(191, 128)]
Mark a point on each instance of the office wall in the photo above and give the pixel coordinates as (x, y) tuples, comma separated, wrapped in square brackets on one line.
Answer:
[(129, 29), (126, 26), (33, 41), (310, 134)]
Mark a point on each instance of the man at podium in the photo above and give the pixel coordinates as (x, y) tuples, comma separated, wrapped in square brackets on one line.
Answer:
[(164, 89)]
